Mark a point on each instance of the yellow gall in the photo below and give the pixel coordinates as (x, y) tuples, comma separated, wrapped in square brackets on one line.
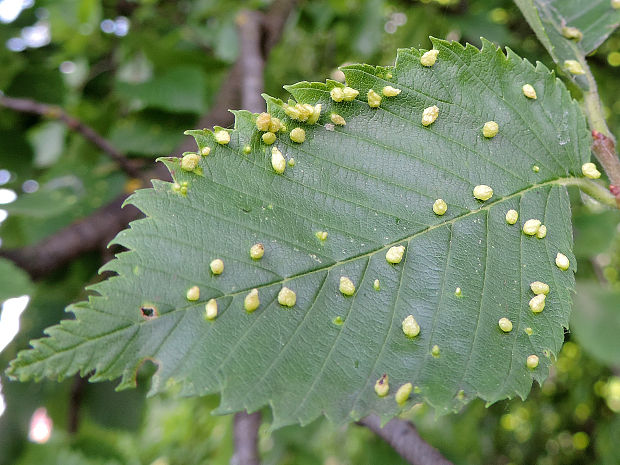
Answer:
[(535, 168), (275, 124), (257, 251), (262, 121), (572, 33), (615, 4), (402, 394), (490, 129), (247, 149), (429, 115), (512, 216), (532, 361), (193, 293), (294, 112), (529, 91), (458, 292), (211, 309), (251, 301), (222, 137), (435, 351), (589, 171), (483, 192), (277, 160), (573, 67), (316, 113), (382, 386), (395, 254), (537, 303), (268, 138), (529, 331), (286, 297), (205, 151), (505, 325), (440, 207), (411, 328), (542, 232), (562, 261), (176, 187), (291, 162), (376, 285), (189, 162), (217, 266), (346, 286), (390, 91), (530, 227), (337, 94), (298, 135), (337, 119), (350, 94), (321, 235), (538, 287), (429, 58), (374, 99)]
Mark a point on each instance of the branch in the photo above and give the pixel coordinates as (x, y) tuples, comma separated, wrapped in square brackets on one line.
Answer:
[(69, 243), (405, 440), (246, 439), (251, 60), (93, 232), (55, 112), (251, 64), (604, 149)]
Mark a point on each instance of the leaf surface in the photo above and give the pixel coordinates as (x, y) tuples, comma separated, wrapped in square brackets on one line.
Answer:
[(596, 19), (370, 185)]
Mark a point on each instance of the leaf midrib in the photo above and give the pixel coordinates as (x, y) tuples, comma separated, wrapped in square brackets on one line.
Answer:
[(562, 181)]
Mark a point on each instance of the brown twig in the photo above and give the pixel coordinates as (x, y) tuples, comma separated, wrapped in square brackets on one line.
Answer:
[(405, 440), (74, 240), (246, 439), (251, 60), (75, 402), (251, 64), (55, 112), (604, 150)]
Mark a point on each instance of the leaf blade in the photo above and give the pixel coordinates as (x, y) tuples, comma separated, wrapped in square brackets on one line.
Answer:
[(370, 184)]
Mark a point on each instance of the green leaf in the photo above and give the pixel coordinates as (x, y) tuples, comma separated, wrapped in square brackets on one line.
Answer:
[(181, 89), (48, 142), (596, 19), (371, 185), (596, 322), (15, 282)]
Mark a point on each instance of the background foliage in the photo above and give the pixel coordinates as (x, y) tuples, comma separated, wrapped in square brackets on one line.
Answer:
[(151, 75)]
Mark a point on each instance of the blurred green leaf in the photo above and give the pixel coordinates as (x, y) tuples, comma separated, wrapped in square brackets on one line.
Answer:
[(226, 43), (44, 203), (48, 142), (181, 89), (596, 322), (147, 138), (39, 83), (14, 282), (594, 232)]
